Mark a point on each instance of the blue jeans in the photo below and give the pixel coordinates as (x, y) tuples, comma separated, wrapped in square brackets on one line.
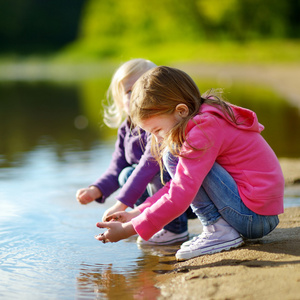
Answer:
[(178, 225), (219, 197)]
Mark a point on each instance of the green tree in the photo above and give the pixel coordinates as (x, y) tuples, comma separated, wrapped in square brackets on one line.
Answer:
[(118, 23), (110, 26)]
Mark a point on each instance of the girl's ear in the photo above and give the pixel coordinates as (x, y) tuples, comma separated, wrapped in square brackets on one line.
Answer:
[(182, 110)]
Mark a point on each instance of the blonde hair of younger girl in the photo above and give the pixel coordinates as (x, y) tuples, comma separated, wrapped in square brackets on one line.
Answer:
[(114, 113)]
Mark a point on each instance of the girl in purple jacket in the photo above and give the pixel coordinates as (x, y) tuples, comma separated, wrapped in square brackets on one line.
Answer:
[(132, 166), (219, 164)]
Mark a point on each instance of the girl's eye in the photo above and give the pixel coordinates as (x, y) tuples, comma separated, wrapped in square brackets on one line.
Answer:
[(128, 92)]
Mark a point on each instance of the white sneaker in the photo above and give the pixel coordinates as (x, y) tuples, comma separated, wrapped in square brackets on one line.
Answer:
[(214, 238), (189, 242), (164, 237)]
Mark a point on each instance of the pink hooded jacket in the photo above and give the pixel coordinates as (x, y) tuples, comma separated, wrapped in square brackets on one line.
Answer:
[(240, 149)]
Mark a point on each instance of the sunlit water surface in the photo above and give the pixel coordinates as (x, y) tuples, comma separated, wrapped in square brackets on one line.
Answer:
[(48, 250)]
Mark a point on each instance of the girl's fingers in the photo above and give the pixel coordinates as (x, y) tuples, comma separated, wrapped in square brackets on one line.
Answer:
[(108, 218), (112, 217), (101, 237), (103, 225), (107, 225)]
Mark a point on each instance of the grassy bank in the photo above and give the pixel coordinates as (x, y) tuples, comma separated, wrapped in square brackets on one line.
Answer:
[(266, 52), (284, 51)]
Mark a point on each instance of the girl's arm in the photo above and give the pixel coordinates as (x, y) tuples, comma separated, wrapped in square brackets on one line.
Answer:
[(192, 168), (143, 174), (108, 182)]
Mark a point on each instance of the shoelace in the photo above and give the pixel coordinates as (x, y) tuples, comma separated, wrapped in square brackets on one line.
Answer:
[(202, 236)]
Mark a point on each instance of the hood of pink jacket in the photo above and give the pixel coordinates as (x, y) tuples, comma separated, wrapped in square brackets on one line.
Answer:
[(246, 119)]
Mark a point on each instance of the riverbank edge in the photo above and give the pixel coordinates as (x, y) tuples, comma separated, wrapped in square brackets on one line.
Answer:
[(267, 268)]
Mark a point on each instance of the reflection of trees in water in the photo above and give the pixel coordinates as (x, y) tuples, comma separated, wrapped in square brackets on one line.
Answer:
[(111, 282), (35, 114), (68, 117), (104, 281)]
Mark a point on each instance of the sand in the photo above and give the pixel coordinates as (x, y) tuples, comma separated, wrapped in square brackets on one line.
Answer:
[(267, 268)]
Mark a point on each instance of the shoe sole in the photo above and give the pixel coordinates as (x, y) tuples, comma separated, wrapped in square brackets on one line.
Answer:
[(173, 241), (209, 250)]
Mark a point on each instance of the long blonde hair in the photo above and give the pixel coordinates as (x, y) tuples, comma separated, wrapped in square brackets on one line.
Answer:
[(114, 112), (159, 91)]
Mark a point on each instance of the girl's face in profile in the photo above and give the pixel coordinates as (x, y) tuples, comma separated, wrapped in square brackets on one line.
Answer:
[(160, 125), (127, 84)]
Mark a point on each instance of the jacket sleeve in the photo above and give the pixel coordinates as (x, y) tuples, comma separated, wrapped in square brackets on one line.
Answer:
[(108, 182), (143, 173), (179, 193)]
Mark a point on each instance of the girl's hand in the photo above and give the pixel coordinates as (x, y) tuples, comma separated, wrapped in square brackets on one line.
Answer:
[(116, 231), (119, 206), (122, 216), (87, 195)]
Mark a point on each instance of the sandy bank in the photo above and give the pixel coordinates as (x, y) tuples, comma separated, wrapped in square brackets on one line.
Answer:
[(267, 268)]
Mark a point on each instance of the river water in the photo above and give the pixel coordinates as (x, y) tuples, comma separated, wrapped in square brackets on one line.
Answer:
[(53, 143), (47, 241)]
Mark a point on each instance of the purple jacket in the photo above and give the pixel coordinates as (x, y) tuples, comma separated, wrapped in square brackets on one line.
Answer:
[(131, 148)]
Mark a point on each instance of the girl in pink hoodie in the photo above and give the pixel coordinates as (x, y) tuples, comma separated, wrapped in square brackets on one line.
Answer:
[(219, 164)]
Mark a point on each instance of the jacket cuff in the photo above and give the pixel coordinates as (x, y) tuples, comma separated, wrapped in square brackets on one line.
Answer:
[(144, 227)]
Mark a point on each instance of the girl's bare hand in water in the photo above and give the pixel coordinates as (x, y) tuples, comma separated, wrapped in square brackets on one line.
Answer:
[(116, 231), (122, 216)]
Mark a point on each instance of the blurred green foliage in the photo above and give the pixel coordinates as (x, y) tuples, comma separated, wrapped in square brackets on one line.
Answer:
[(118, 28), (93, 99), (168, 20), (161, 30)]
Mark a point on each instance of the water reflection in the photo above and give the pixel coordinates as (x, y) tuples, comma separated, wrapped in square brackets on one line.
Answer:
[(108, 281), (52, 143), (34, 114), (105, 283), (67, 117)]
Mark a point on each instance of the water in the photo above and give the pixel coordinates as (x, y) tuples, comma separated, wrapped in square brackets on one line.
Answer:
[(47, 241), (51, 145)]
